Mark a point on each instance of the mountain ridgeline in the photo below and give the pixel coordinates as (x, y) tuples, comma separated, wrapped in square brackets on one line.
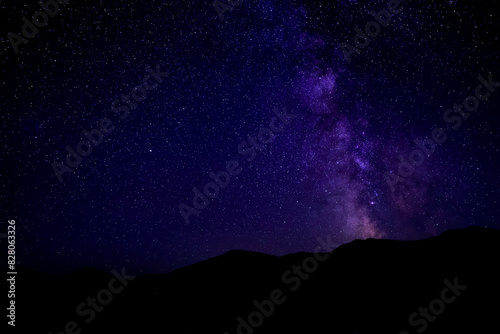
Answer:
[(444, 284)]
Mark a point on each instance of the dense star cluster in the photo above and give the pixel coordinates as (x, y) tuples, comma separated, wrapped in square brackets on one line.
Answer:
[(154, 135)]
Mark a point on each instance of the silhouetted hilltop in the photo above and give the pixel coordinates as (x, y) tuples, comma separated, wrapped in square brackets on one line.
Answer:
[(445, 284)]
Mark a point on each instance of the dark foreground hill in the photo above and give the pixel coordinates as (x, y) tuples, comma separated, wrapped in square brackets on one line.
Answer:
[(445, 284)]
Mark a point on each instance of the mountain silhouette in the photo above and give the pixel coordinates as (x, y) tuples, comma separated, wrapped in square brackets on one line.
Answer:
[(444, 284)]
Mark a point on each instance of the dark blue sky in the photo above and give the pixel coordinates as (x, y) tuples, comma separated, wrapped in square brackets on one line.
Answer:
[(323, 174)]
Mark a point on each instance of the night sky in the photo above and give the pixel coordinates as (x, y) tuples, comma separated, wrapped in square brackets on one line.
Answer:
[(344, 129)]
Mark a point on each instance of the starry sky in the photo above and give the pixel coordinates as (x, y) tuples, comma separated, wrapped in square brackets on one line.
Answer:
[(331, 170)]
